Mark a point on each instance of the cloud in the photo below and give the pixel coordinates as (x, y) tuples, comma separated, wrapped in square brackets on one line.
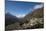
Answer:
[(38, 6), (20, 15)]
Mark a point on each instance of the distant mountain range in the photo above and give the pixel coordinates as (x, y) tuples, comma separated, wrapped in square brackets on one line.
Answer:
[(30, 21), (9, 19)]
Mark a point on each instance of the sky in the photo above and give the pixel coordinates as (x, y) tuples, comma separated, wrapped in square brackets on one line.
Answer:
[(20, 9)]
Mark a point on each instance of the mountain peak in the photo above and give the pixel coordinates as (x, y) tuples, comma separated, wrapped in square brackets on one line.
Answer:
[(8, 14)]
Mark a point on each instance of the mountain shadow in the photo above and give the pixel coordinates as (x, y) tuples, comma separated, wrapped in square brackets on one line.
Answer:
[(10, 19)]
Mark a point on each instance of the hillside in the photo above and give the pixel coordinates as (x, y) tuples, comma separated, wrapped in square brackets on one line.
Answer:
[(38, 13), (10, 19)]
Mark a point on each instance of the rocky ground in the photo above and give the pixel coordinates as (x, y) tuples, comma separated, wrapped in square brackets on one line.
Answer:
[(33, 23)]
